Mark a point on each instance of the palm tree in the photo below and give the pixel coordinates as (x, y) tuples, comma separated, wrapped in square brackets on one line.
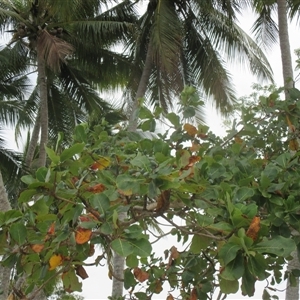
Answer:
[(58, 33), (187, 43), (266, 29)]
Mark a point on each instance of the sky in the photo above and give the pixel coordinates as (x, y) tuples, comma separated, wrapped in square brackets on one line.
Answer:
[(98, 285)]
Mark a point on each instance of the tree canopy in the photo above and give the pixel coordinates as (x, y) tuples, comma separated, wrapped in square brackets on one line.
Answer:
[(236, 199)]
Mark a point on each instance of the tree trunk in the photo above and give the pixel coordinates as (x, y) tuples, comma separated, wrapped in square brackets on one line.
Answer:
[(33, 141), (4, 272), (42, 82), (141, 90), (286, 59), (291, 293), (119, 261)]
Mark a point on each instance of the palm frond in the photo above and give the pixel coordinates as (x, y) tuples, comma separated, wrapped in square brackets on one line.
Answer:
[(265, 29)]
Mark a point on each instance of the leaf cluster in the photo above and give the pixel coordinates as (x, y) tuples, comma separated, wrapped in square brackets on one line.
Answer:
[(232, 204)]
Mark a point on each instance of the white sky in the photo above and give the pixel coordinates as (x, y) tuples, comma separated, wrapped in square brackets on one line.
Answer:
[(98, 285)]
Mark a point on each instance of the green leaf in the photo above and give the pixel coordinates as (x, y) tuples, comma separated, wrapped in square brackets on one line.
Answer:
[(248, 283), (141, 247), (100, 202), (28, 179), (145, 113), (174, 119), (26, 195), (11, 216), (189, 112), (70, 152), (229, 252), (132, 261), (18, 232), (216, 170), (229, 286), (80, 134), (129, 280), (149, 125), (199, 243), (242, 194), (52, 155), (235, 269), (129, 184), (40, 207), (71, 282), (122, 247), (204, 220), (257, 266), (278, 245), (134, 232), (41, 174), (142, 162), (283, 160)]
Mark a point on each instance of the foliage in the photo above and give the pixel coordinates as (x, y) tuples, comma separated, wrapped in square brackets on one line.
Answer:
[(232, 203)]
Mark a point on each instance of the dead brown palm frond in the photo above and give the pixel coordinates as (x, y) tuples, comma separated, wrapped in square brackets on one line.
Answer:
[(53, 49)]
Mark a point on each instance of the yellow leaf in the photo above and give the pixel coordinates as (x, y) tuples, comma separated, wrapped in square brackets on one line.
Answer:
[(238, 140), (190, 129), (55, 261), (101, 163)]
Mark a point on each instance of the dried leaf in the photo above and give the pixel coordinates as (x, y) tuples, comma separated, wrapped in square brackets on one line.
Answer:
[(96, 189), (101, 163), (238, 140), (10, 297), (91, 250), (82, 235), (51, 230), (294, 145), (195, 147), (174, 253), (55, 261), (190, 129), (140, 275), (81, 272), (53, 49), (158, 287), (163, 202), (37, 248), (291, 126), (193, 295), (253, 229), (170, 297)]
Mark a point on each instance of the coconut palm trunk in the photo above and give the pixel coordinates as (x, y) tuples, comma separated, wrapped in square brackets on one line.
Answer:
[(4, 272), (42, 82), (33, 141), (141, 90), (292, 292)]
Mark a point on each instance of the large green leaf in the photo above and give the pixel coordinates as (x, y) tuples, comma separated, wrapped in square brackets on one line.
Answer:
[(229, 252), (278, 245), (141, 247), (100, 202), (243, 194), (122, 247), (70, 152), (199, 243), (18, 232), (229, 286)]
